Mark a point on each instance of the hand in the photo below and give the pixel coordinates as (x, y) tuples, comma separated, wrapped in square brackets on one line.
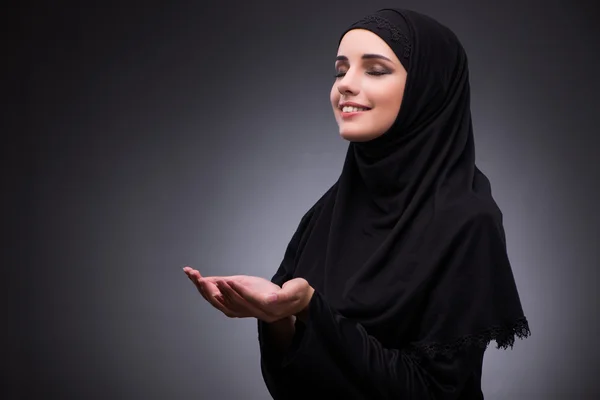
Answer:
[(235, 307), (208, 290), (292, 299)]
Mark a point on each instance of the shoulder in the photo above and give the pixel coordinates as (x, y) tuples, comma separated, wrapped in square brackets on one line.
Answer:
[(466, 217), (465, 235), (469, 209)]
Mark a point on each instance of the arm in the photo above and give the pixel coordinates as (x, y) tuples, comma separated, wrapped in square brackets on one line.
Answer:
[(331, 342), (280, 333), (275, 339)]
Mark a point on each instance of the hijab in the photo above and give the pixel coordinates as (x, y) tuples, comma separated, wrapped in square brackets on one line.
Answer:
[(409, 241)]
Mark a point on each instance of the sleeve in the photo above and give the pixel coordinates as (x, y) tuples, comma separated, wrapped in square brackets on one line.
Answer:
[(277, 380), (336, 352)]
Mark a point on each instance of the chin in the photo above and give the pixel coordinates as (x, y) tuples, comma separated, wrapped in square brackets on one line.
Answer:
[(357, 136)]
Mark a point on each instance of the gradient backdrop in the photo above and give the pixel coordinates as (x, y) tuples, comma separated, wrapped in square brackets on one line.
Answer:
[(145, 138)]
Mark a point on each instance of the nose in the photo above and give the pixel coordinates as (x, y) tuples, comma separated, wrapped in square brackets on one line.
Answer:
[(347, 85)]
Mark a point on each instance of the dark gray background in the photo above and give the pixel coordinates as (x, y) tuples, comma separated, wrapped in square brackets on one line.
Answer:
[(142, 139)]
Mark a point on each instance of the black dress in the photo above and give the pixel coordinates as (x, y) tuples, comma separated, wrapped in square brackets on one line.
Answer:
[(335, 358), (406, 251)]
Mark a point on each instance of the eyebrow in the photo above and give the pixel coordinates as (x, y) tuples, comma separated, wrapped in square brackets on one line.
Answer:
[(364, 57)]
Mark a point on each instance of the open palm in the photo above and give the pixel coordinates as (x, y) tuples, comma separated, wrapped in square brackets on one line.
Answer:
[(254, 283), (227, 301)]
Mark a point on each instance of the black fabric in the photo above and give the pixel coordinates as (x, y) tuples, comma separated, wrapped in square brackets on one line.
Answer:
[(406, 251)]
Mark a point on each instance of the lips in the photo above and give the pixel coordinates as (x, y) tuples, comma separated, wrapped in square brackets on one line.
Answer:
[(351, 115)]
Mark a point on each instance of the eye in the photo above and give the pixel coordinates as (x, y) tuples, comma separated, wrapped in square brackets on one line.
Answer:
[(378, 72)]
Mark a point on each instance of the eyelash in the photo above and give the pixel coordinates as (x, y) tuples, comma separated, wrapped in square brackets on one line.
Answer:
[(374, 73)]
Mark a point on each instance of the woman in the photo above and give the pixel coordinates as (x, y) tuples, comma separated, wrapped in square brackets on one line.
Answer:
[(397, 279)]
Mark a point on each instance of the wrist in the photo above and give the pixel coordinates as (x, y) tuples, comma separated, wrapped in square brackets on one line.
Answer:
[(302, 315), (290, 320), (281, 332)]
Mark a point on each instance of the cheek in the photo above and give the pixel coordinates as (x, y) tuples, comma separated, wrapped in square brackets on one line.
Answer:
[(389, 102), (334, 96)]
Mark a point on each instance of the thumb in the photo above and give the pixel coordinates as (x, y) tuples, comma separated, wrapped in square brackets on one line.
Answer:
[(291, 290)]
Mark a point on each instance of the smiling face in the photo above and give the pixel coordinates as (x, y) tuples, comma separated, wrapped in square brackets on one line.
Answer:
[(370, 80)]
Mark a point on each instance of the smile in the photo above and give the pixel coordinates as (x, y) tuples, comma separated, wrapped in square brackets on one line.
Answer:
[(350, 109), (351, 112)]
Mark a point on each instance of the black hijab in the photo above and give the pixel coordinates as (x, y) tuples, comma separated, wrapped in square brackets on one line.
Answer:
[(409, 241)]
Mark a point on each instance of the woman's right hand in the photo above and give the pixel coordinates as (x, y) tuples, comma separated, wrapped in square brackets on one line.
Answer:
[(237, 307)]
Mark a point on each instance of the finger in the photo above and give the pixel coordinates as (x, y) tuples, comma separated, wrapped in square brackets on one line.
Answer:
[(196, 274), (221, 300), (209, 292), (204, 291), (191, 277), (216, 299), (201, 283), (232, 300), (229, 293), (219, 305), (266, 311), (197, 282), (192, 273), (213, 278), (259, 300), (215, 294), (196, 279), (227, 300), (237, 302), (188, 273), (210, 289), (292, 291)]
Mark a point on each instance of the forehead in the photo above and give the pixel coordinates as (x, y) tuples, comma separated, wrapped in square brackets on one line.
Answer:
[(359, 41)]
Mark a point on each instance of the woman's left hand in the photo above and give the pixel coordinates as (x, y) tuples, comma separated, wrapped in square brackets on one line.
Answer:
[(292, 299)]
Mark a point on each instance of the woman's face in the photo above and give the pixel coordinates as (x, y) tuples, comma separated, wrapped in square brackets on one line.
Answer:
[(370, 80)]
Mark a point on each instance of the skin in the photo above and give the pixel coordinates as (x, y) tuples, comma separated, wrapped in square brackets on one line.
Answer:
[(243, 296), (375, 82)]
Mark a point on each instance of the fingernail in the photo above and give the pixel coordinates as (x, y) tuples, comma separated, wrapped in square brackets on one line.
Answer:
[(272, 297)]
